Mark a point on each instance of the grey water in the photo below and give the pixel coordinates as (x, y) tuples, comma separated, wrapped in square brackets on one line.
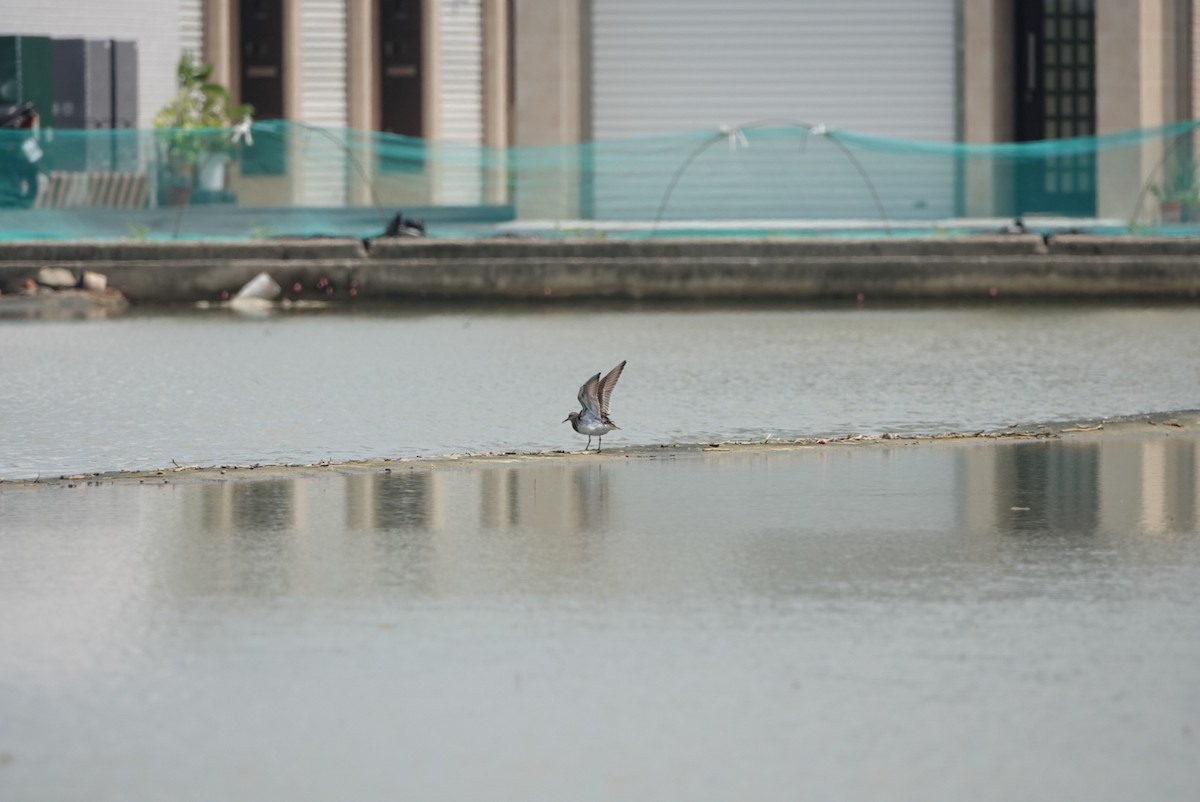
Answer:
[(143, 390), (941, 621)]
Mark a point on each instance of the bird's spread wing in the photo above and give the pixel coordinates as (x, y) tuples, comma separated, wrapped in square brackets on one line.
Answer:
[(604, 391), (588, 397)]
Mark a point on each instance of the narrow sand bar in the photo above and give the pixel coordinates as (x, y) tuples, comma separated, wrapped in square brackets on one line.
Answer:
[(1179, 424)]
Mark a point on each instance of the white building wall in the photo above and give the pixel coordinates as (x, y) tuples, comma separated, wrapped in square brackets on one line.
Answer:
[(153, 24), (191, 27)]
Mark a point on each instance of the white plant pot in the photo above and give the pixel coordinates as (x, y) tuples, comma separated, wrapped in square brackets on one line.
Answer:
[(212, 174)]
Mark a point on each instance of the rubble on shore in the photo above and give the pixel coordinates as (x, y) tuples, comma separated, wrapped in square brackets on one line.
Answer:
[(60, 292)]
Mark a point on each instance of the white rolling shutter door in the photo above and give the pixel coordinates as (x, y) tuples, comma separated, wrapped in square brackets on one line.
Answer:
[(191, 28), (462, 71), (323, 77), (883, 67), (461, 103)]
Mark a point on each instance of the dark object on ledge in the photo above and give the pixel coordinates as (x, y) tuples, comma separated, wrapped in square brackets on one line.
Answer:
[(401, 226)]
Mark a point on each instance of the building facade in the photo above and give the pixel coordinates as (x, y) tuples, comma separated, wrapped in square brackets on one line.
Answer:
[(540, 72), (544, 72)]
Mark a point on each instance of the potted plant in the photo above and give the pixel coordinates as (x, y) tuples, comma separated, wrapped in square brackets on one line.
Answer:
[(193, 134), (1178, 194)]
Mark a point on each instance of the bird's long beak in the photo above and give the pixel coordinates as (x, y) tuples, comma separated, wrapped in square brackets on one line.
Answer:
[(564, 420)]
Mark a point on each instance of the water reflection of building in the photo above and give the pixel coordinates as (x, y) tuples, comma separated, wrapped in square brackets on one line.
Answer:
[(233, 525), (1165, 474), (433, 527), (398, 500), (410, 527), (1112, 485), (558, 499)]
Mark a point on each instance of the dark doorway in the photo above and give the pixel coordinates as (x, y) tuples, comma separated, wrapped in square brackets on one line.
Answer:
[(400, 51), (260, 80), (1056, 98)]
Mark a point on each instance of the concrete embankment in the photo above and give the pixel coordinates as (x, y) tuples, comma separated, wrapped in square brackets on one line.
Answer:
[(974, 268)]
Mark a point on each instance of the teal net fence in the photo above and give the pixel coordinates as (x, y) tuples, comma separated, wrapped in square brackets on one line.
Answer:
[(763, 178)]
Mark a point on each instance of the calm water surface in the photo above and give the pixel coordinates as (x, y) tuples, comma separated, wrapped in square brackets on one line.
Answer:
[(143, 390), (929, 622), (945, 621)]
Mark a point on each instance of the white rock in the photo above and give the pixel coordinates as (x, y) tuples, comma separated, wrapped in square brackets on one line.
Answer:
[(96, 282), (261, 286), (57, 277)]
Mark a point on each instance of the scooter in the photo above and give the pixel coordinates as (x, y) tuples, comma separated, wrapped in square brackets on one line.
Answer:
[(20, 154)]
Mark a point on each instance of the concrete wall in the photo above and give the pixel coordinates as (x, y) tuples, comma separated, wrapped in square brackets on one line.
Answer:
[(986, 269)]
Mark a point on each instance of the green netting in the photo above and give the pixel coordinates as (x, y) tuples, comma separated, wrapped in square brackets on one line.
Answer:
[(774, 177)]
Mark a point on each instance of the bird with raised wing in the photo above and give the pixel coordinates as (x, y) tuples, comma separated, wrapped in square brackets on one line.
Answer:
[(592, 420)]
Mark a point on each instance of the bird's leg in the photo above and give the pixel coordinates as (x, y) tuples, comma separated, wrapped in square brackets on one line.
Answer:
[(599, 442), (589, 445)]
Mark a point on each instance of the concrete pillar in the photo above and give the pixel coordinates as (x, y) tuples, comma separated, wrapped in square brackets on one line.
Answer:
[(362, 89), (431, 48), (293, 57), (1191, 59), (1141, 80), (987, 100), (362, 64), (496, 80), (548, 70), (549, 103), (495, 73), (987, 70), (219, 38)]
